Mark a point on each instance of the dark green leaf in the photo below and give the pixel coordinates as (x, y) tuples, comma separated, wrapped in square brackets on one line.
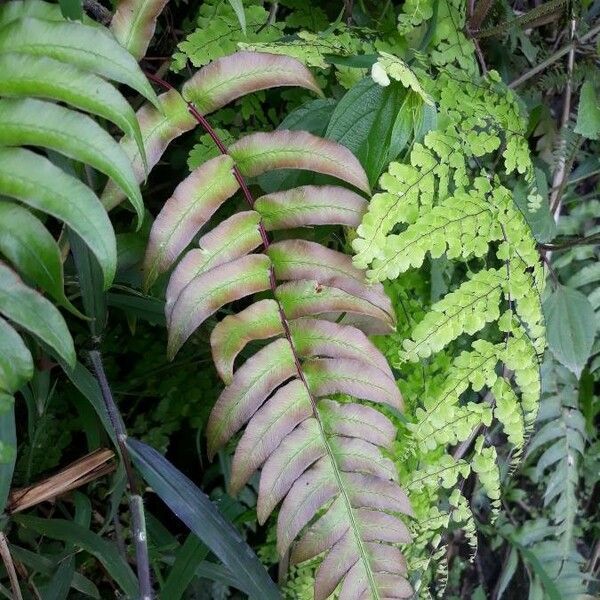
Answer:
[(71, 9), (570, 327), (81, 537), (89, 48), (16, 364), (8, 443), (187, 560), (195, 509)]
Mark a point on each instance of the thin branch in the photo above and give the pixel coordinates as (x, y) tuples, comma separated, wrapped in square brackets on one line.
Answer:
[(10, 567), (136, 507), (556, 56), (97, 11)]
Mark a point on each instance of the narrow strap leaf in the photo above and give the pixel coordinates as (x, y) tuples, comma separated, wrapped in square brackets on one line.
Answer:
[(35, 181), (316, 337), (231, 239), (310, 297), (34, 313), (311, 205), (354, 377), (42, 77), (213, 289), (134, 22), (242, 73), (252, 383), (38, 123), (289, 406), (192, 204), (300, 259), (90, 48), (259, 321), (258, 153)]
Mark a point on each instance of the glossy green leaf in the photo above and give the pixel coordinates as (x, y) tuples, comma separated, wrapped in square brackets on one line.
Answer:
[(90, 48), (35, 181), (16, 364), (42, 77), (17, 9), (82, 537), (202, 517), (28, 245), (134, 22), (570, 327), (30, 310), (34, 122)]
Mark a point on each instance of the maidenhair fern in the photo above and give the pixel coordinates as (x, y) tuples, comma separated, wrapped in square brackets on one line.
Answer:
[(51, 87), (320, 451), (451, 198)]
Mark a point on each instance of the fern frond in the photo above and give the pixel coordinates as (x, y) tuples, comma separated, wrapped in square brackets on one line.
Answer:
[(321, 458)]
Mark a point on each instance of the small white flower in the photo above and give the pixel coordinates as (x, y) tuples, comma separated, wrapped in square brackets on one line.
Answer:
[(379, 75)]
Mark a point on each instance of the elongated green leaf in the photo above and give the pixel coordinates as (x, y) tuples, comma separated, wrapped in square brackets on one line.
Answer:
[(11, 11), (238, 7), (311, 205), (159, 128), (8, 443), (28, 245), (16, 364), (33, 312), (38, 123), (42, 77), (134, 22), (258, 153), (90, 48), (570, 327), (187, 559), (213, 289), (202, 517), (82, 537), (192, 204), (35, 181), (230, 77)]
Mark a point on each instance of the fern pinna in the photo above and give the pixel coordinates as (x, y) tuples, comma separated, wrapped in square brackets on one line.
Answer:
[(320, 455)]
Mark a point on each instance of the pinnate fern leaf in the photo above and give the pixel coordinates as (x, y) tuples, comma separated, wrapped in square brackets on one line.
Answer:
[(321, 454)]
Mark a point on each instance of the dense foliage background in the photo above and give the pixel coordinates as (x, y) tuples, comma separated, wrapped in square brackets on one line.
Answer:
[(477, 125)]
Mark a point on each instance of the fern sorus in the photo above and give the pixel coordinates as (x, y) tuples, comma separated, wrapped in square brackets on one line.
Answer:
[(450, 201), (47, 71), (321, 450)]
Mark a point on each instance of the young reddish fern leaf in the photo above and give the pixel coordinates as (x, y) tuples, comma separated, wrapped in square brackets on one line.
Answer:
[(321, 457)]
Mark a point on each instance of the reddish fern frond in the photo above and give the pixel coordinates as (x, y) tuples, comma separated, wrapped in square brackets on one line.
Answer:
[(320, 454)]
